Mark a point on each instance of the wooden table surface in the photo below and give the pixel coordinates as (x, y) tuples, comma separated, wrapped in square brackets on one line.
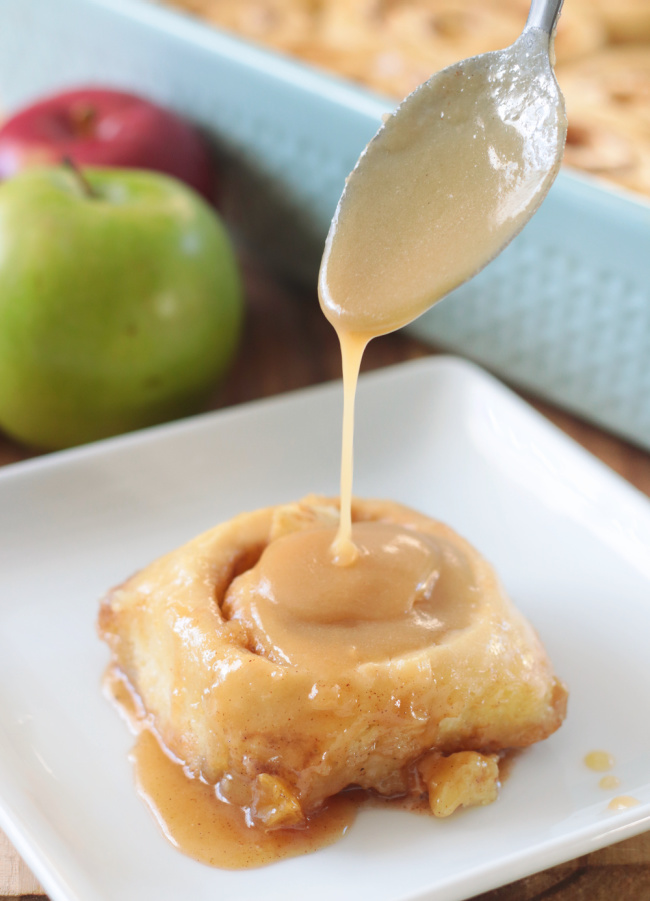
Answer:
[(288, 345)]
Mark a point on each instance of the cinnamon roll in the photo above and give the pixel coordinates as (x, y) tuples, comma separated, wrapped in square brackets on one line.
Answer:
[(282, 679)]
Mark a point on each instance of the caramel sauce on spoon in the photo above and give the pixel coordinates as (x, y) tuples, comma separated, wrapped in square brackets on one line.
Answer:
[(446, 183)]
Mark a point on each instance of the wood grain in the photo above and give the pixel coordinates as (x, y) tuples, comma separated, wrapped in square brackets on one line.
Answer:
[(15, 878), (288, 345)]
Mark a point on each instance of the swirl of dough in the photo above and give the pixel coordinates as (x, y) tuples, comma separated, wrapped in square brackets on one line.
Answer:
[(608, 104), (276, 23), (625, 20), (283, 692)]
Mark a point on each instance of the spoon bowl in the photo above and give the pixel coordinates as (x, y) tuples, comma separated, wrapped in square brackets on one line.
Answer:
[(447, 182)]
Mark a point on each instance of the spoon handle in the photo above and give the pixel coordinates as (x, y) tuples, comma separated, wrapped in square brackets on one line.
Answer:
[(544, 14)]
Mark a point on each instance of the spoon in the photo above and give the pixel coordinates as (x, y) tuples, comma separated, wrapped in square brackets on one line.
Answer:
[(446, 183)]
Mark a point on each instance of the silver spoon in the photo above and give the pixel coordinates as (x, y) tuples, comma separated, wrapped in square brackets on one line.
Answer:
[(446, 183)]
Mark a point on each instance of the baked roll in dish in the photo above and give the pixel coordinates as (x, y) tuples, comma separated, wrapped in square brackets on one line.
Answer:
[(283, 679), (608, 102)]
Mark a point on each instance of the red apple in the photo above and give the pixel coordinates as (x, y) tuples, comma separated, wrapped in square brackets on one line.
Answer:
[(102, 127)]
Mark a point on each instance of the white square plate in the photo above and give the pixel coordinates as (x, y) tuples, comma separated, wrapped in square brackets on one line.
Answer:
[(570, 540)]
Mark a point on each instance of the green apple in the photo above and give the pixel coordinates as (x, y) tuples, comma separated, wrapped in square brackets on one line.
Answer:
[(120, 303)]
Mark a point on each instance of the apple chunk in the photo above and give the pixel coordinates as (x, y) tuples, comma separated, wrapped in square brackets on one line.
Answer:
[(119, 308)]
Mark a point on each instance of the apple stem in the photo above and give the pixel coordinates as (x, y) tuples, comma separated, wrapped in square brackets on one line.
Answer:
[(82, 181), (83, 117)]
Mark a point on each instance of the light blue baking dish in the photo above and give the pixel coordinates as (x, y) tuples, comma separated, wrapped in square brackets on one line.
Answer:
[(563, 312)]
